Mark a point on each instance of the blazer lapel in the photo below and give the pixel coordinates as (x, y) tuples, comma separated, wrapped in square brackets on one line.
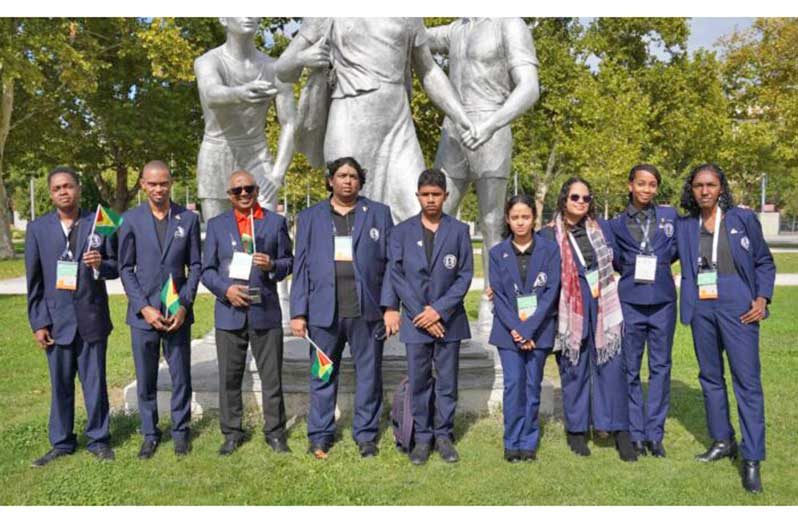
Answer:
[(509, 259), (441, 236), (418, 242), (733, 222), (85, 221), (232, 229), (361, 210), (171, 227), (693, 233), (535, 266)]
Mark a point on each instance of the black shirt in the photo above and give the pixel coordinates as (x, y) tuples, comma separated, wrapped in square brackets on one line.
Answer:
[(725, 260), (429, 243), (635, 218), (345, 287), (522, 258), (580, 235), (160, 229)]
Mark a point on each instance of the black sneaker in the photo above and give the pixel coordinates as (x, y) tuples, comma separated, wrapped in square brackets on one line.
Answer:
[(103, 453), (368, 449), (513, 456), (623, 442), (148, 448), (577, 441), (182, 447), (278, 444), (420, 453), (446, 449), (51, 455), (230, 445)]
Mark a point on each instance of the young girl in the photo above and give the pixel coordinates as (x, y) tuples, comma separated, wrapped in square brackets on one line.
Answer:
[(525, 278)]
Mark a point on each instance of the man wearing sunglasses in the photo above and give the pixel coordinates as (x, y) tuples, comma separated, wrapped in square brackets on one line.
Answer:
[(247, 251)]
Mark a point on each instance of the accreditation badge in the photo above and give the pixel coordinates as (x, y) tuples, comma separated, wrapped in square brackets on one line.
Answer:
[(645, 268), (240, 266), (708, 285), (593, 281), (527, 305), (343, 248), (66, 275)]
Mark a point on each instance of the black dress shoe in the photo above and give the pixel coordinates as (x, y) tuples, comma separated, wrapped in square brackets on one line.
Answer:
[(513, 456), (752, 482), (182, 447), (51, 455), (230, 445), (623, 443), (420, 453), (368, 449), (278, 444), (320, 450), (528, 455), (719, 450), (656, 448), (148, 448), (640, 447), (446, 449), (578, 443), (103, 453)]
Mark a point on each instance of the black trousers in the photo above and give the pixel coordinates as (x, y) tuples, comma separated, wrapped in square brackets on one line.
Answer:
[(231, 352)]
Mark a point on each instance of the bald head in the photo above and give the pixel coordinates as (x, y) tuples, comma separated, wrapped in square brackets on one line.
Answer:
[(242, 190), (155, 165), (156, 182)]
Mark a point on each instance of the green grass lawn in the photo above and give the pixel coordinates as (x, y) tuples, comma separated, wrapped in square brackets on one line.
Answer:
[(482, 477)]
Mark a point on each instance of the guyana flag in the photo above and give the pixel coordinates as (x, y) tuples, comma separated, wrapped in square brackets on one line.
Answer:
[(106, 222), (169, 296), (322, 367)]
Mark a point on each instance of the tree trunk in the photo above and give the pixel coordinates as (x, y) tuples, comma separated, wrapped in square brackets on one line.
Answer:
[(6, 106), (121, 193)]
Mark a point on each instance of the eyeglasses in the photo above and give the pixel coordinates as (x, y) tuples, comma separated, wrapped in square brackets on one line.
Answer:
[(587, 198), (236, 191)]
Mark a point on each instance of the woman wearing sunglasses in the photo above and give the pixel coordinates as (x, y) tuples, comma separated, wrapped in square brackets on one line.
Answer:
[(644, 235), (588, 341), (525, 278)]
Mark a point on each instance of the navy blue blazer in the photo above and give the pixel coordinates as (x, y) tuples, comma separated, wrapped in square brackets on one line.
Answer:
[(663, 243), (442, 285), (542, 279), (588, 323), (313, 283), (66, 313), (221, 240), (750, 252), (144, 268)]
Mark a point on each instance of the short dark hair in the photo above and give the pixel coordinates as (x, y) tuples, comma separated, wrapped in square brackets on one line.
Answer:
[(62, 169), (155, 164), (566, 188), (433, 177), (333, 166), (646, 167), (725, 201), (511, 202)]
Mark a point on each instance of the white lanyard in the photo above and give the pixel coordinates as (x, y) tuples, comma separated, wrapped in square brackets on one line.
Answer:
[(718, 215), (578, 251)]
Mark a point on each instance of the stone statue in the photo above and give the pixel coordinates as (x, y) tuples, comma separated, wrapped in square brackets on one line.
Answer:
[(236, 85), (365, 64), (493, 68)]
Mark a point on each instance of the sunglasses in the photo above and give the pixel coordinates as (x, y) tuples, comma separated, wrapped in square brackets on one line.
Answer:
[(236, 191), (586, 198)]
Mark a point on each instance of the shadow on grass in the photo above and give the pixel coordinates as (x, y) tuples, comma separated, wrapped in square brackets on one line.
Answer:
[(687, 406)]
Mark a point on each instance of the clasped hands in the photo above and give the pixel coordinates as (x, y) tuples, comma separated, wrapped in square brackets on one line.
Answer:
[(159, 322)]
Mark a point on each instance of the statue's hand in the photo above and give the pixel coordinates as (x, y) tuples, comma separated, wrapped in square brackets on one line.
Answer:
[(253, 92), (478, 135), (264, 86), (317, 55)]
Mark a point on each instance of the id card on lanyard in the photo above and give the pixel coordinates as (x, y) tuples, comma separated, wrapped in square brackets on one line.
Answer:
[(591, 276), (66, 270), (527, 304), (645, 264), (343, 248), (241, 264), (708, 279)]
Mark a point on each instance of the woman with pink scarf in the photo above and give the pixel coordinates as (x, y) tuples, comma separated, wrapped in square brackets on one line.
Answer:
[(589, 325)]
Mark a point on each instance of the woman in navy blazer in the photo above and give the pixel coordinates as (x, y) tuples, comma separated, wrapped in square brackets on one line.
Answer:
[(646, 240), (524, 321), (727, 281)]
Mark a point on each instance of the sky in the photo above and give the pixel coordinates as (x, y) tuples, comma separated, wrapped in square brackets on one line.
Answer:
[(704, 32)]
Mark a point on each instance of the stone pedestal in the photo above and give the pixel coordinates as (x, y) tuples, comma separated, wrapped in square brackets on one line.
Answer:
[(480, 379), (771, 222)]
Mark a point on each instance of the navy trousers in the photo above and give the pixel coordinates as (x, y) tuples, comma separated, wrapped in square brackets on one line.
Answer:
[(87, 360), (716, 329), (523, 374), (146, 355), (433, 412), (366, 352), (652, 325)]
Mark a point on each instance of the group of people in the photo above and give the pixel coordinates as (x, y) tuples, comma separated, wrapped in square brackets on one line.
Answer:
[(357, 279)]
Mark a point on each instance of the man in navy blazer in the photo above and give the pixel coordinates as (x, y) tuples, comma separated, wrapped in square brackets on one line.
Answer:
[(337, 292), (68, 312), (431, 264), (247, 251), (158, 240)]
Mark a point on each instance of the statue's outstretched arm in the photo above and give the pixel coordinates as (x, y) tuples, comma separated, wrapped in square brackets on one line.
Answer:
[(299, 54), (217, 94), (287, 116)]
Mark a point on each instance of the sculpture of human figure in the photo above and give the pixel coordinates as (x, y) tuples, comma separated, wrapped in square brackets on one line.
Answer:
[(494, 69), (237, 83), (369, 109)]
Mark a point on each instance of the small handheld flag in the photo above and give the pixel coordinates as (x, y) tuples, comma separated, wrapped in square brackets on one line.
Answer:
[(169, 297), (322, 367), (106, 221)]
